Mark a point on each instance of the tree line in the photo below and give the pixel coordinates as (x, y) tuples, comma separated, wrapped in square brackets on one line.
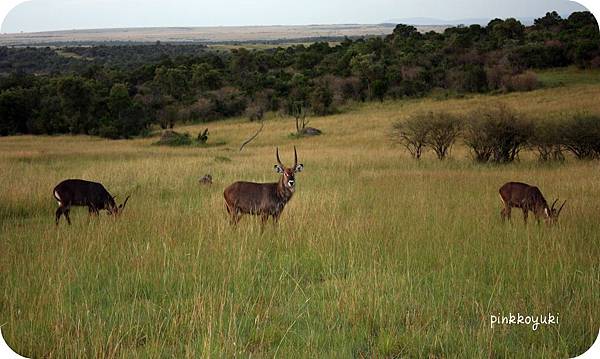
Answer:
[(122, 91)]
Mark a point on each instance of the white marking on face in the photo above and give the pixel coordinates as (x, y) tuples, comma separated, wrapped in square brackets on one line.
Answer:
[(546, 211)]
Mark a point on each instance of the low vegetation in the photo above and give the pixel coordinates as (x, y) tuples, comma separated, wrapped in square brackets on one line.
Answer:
[(497, 133), (172, 138), (581, 136), (175, 139), (437, 131)]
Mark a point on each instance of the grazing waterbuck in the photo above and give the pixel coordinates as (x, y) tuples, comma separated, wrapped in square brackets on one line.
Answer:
[(93, 195), (528, 198), (263, 199)]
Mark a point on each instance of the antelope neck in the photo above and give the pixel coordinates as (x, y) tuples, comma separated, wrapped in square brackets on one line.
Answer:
[(282, 191)]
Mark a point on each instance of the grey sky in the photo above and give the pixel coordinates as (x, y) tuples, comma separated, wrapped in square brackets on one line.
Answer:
[(44, 15)]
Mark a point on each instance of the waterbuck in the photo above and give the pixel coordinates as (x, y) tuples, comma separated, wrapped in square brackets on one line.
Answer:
[(528, 198), (263, 199), (93, 195)]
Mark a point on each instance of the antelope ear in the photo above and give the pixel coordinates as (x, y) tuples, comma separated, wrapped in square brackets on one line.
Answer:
[(278, 169), (299, 167)]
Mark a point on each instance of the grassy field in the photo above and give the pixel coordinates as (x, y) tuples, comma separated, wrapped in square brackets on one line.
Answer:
[(377, 255), (206, 34)]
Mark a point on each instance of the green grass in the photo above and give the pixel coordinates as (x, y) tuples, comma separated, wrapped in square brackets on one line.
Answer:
[(568, 76), (376, 255)]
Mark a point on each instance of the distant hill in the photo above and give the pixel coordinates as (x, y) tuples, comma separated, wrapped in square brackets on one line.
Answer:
[(425, 21), (203, 35)]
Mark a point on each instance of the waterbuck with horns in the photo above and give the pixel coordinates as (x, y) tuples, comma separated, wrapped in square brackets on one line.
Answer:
[(528, 198), (93, 195), (263, 199)]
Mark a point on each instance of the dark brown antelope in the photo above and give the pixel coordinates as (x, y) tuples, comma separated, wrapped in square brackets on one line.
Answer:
[(263, 199), (93, 195), (528, 198)]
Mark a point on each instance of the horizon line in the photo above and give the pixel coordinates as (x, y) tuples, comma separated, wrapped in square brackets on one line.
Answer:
[(440, 22)]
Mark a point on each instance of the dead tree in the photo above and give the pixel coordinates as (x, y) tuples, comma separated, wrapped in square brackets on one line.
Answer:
[(203, 137), (298, 111), (262, 124)]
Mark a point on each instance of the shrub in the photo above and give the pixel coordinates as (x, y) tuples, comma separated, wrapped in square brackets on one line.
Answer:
[(526, 81), (351, 88), (342, 89), (496, 74), (478, 139), (470, 78), (228, 101), (595, 62), (412, 134), (168, 116), (255, 111), (581, 136), (203, 109), (444, 128), (107, 130), (321, 99), (172, 138), (546, 140), (496, 133)]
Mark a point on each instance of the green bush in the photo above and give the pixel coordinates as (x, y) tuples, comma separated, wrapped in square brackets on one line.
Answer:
[(581, 136), (436, 130), (444, 128), (321, 99), (172, 138), (496, 133), (547, 141)]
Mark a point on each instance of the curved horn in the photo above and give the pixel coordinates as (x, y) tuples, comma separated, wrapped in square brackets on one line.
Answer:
[(122, 206), (277, 155), (295, 157), (560, 209), (553, 203)]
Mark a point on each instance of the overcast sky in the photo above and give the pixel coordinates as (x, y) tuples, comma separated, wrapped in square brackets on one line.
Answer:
[(44, 15)]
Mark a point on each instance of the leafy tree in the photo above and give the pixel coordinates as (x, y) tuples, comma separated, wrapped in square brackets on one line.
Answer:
[(172, 81), (15, 111), (321, 98), (205, 77), (505, 31), (76, 100), (551, 21)]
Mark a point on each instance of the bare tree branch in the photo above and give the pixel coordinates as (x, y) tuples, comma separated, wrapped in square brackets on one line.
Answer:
[(262, 124)]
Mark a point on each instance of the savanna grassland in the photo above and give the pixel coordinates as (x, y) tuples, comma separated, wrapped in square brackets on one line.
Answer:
[(377, 255)]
